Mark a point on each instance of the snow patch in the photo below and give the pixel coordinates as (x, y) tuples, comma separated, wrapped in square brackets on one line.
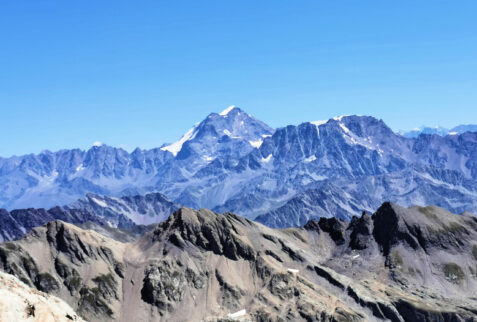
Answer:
[(256, 144), (294, 271), (176, 147), (344, 128), (340, 117), (227, 132), (99, 202), (208, 158), (97, 143), (310, 159), (227, 110), (318, 123), (267, 159)]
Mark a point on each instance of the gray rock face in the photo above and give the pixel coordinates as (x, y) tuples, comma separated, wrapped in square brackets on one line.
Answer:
[(165, 283), (399, 264), (76, 265), (216, 234)]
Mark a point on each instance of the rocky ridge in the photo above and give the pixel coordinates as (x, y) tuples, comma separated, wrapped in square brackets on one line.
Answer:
[(398, 264)]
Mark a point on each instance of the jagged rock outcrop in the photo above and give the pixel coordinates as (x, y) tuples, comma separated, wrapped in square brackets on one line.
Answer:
[(415, 264)]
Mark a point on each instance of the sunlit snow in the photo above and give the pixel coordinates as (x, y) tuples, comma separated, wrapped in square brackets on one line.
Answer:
[(310, 159), (175, 147), (267, 159), (100, 203), (256, 144), (227, 110)]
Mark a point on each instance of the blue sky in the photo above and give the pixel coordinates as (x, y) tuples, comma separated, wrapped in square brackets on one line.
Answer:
[(140, 73)]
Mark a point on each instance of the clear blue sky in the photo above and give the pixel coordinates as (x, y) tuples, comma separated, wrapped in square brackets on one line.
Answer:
[(140, 73)]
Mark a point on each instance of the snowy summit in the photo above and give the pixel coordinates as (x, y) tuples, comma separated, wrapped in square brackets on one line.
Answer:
[(227, 110)]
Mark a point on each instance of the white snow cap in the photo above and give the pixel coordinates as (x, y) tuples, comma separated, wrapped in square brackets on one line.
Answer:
[(97, 143), (227, 110), (318, 123), (340, 117), (175, 147)]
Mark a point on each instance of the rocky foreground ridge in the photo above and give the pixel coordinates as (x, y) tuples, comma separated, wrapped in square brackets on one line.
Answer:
[(415, 264), (18, 302)]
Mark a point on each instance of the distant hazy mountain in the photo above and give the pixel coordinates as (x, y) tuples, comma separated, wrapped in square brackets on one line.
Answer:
[(148, 209), (426, 130), (440, 130), (14, 224), (125, 213), (464, 128), (344, 198), (232, 162)]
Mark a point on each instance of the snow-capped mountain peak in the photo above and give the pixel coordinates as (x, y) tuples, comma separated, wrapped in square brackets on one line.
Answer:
[(175, 147), (340, 117), (227, 110), (320, 122), (97, 143), (231, 132)]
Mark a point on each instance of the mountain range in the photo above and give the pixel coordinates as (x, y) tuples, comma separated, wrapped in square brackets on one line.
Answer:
[(132, 214), (415, 264), (439, 130), (283, 177)]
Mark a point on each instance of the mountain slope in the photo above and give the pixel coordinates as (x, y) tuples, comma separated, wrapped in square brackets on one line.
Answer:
[(399, 264), (130, 214), (345, 198), (16, 223), (18, 302), (148, 209)]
